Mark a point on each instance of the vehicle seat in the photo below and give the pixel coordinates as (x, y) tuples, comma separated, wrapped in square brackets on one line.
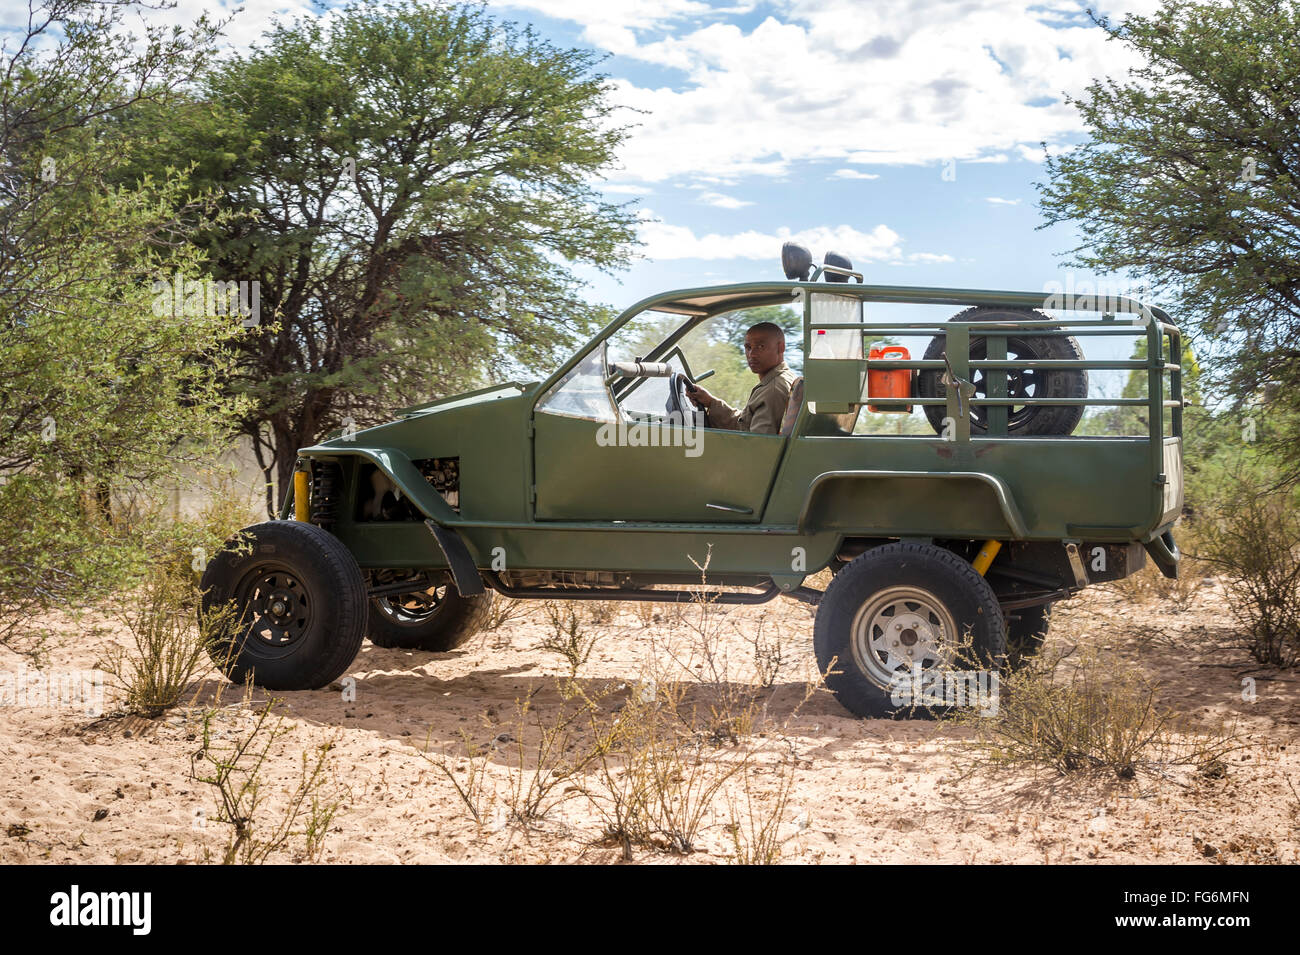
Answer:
[(792, 407)]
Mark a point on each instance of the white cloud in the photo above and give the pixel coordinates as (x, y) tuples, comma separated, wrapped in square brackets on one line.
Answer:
[(999, 201), (891, 82), (1031, 153), (245, 28), (625, 189), (855, 84), (724, 202), (664, 241)]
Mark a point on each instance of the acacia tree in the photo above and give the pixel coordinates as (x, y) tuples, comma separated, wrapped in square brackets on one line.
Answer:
[(414, 181), (99, 392), (1190, 178)]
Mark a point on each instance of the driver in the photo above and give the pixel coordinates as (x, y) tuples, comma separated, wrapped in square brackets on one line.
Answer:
[(765, 355)]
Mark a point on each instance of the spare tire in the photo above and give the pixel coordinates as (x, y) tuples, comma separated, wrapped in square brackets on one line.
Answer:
[(1054, 383)]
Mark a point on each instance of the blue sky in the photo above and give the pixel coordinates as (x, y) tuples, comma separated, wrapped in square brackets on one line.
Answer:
[(834, 121)]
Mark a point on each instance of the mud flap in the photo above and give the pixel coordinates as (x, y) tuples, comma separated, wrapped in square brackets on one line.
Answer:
[(1165, 553), (463, 571)]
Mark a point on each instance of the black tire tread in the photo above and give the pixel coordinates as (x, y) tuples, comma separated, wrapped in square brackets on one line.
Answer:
[(462, 619), (349, 610), (1046, 420)]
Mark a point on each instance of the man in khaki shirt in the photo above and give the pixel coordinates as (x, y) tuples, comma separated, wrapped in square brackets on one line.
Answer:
[(762, 414)]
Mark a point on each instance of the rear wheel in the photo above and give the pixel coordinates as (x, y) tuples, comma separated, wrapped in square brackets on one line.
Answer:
[(438, 619), (909, 628), (299, 605), (1027, 383)]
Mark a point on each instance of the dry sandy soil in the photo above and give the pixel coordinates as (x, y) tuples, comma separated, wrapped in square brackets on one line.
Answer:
[(78, 788)]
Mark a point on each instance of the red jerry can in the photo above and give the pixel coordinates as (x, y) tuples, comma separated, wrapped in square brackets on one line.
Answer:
[(883, 383)]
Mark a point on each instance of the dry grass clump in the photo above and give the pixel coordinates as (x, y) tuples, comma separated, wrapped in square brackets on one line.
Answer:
[(236, 774), (1088, 712), (755, 826), (504, 609), (1252, 537), (658, 762), (169, 647), (568, 638)]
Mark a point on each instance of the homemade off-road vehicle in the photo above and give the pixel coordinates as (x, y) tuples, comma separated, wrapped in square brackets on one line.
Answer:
[(947, 547)]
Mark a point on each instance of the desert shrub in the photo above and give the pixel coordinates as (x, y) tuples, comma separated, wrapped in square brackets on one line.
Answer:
[(568, 639), (169, 645), (601, 613), (505, 609), (1092, 712), (235, 773), (755, 822), (468, 774), (1251, 534), (549, 753), (654, 785)]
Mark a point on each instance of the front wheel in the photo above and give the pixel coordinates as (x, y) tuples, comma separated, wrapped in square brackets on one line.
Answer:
[(299, 606), (910, 628)]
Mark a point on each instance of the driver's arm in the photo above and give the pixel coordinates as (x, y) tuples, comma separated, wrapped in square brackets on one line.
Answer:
[(722, 415), (718, 414)]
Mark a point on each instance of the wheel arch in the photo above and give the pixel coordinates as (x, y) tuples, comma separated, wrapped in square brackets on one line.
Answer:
[(399, 469), (820, 490)]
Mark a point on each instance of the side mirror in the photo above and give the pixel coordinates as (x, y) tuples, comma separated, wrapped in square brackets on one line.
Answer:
[(796, 261)]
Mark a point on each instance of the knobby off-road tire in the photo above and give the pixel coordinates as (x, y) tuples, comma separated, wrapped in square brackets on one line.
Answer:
[(412, 624), (301, 604), (1056, 383), (1026, 631), (901, 597)]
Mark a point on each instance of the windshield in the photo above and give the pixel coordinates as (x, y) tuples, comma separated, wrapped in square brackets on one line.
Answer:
[(582, 393)]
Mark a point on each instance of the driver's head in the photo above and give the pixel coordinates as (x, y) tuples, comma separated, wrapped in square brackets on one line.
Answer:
[(764, 347)]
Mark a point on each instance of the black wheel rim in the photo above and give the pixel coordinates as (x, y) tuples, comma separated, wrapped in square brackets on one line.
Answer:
[(410, 610), (277, 606), (1021, 383)]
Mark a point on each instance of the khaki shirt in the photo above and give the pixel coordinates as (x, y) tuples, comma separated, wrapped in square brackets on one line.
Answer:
[(766, 406)]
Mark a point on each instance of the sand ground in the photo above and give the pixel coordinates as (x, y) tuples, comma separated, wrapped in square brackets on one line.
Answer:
[(110, 789)]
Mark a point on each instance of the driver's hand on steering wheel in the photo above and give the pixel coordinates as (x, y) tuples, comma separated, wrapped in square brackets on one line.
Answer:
[(702, 399)]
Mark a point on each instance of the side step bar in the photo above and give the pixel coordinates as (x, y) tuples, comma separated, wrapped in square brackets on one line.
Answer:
[(806, 594)]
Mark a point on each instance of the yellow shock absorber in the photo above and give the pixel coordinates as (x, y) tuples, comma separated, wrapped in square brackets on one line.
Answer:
[(301, 496), (985, 557)]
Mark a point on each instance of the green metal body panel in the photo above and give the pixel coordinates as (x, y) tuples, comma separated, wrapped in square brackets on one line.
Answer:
[(579, 479), (541, 491)]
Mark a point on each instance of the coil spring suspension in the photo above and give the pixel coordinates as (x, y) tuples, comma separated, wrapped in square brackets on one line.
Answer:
[(326, 490)]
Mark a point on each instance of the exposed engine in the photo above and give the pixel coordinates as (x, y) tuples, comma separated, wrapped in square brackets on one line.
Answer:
[(385, 501)]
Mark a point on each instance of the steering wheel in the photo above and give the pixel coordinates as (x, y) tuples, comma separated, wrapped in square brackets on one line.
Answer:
[(679, 406)]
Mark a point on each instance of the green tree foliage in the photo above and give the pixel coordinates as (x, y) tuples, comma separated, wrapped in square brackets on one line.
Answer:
[(1189, 180), (100, 394), (413, 186)]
